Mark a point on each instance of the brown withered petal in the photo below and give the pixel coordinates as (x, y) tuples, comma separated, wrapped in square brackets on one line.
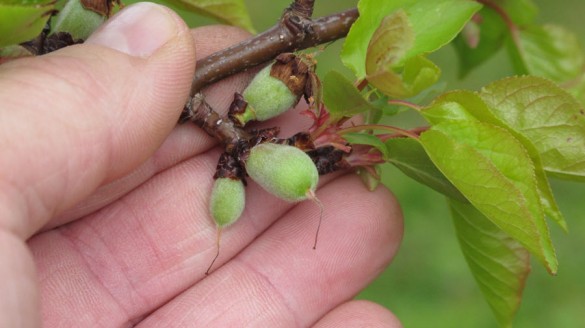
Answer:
[(313, 90), (301, 140), (328, 159), (45, 44), (229, 167), (237, 107), (263, 135), (102, 7), (292, 71)]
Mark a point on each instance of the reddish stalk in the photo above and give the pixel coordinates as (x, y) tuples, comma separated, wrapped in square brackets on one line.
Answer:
[(393, 129)]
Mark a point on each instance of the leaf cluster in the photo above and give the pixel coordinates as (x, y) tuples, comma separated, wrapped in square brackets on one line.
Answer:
[(490, 152)]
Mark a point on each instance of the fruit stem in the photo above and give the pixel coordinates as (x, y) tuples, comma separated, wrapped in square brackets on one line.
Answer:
[(219, 229), (311, 195)]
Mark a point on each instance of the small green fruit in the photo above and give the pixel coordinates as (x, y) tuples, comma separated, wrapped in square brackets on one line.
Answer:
[(227, 201), (285, 171), (267, 97), (78, 21)]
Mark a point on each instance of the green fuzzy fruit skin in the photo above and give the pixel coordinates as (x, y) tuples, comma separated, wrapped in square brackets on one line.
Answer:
[(285, 171), (77, 21), (228, 200), (267, 97)]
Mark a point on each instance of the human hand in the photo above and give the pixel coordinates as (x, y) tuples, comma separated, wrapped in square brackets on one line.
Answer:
[(104, 201)]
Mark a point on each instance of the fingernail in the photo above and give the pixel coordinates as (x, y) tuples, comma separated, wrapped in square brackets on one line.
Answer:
[(137, 30)]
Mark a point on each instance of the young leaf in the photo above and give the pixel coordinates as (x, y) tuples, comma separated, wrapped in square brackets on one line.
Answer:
[(23, 20), (499, 264), (427, 20), (370, 180), (409, 157), (342, 98), (417, 74), (367, 139), (548, 116), (494, 172), (468, 106), (389, 43), (385, 51), (232, 12)]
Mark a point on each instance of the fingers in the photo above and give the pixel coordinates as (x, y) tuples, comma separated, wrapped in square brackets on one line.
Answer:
[(280, 279), (137, 254), (19, 304), (91, 113), (359, 314), (185, 141)]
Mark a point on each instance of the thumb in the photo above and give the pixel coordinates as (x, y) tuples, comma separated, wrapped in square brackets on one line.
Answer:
[(87, 114)]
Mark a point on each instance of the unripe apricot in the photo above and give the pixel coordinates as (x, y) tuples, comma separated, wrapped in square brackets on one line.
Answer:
[(267, 97), (77, 20), (285, 171), (227, 201)]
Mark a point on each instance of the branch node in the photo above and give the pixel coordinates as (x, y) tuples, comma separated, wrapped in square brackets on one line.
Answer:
[(302, 8)]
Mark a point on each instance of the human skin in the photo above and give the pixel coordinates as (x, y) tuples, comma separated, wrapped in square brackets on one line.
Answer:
[(104, 200)]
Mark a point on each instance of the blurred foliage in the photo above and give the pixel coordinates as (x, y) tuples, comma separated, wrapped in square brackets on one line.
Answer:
[(429, 283)]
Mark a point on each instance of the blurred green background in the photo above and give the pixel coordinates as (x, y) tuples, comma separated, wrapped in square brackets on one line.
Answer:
[(429, 284)]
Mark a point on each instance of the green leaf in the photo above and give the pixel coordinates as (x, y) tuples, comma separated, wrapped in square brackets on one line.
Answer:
[(389, 43), (495, 173), (499, 264), (342, 98), (492, 34), (409, 157), (232, 12), (386, 49), (577, 88), (434, 23), (417, 74), (357, 138), (23, 20), (383, 107), (370, 179), (468, 106), (13, 52), (458, 105), (548, 116), (521, 12), (549, 51)]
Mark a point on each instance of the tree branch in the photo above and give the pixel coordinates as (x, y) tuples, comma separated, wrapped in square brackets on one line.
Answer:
[(293, 32)]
